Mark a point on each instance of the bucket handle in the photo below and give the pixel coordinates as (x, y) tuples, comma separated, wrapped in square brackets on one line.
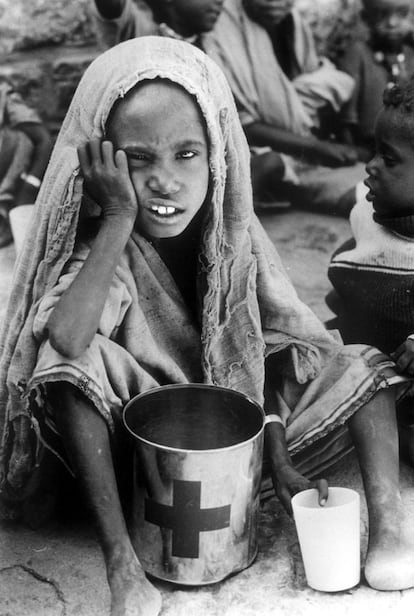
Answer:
[(273, 418)]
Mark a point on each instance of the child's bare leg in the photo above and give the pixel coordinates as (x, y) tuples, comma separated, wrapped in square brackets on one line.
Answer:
[(390, 558), (86, 439)]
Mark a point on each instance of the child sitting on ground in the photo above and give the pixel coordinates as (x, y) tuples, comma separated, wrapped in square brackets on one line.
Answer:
[(175, 281), (280, 84), (373, 274), (25, 146), (381, 59)]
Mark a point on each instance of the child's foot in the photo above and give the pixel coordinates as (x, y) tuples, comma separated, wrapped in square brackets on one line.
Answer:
[(390, 559), (131, 593)]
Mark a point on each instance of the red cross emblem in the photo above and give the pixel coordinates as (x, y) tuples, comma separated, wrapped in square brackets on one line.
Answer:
[(185, 517)]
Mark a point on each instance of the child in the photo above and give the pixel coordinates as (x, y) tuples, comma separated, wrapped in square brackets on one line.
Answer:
[(25, 145), (176, 282), (120, 20), (372, 274), (280, 84), (384, 58)]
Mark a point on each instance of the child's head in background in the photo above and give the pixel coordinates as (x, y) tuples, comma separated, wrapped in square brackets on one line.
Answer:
[(187, 17), (389, 21), (268, 13), (391, 171)]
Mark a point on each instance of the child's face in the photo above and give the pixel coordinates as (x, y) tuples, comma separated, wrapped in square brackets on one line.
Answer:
[(268, 12), (391, 171), (389, 20), (161, 130), (197, 15)]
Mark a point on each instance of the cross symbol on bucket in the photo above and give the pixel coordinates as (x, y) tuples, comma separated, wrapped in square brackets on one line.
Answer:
[(185, 517)]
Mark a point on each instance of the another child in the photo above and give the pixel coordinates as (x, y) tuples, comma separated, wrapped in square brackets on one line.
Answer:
[(381, 60), (174, 282), (373, 274), (280, 84), (25, 146), (121, 20)]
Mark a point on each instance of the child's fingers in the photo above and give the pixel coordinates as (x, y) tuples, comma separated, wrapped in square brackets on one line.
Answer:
[(409, 369), (121, 161), (95, 150), (323, 490), (403, 362), (84, 158), (107, 150), (398, 351), (400, 363), (286, 499)]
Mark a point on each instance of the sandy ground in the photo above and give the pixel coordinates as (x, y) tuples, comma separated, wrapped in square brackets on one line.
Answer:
[(58, 570)]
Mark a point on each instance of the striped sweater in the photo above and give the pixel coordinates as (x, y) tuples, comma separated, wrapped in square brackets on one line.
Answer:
[(373, 276)]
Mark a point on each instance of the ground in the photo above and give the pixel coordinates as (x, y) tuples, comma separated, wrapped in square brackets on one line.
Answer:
[(58, 570)]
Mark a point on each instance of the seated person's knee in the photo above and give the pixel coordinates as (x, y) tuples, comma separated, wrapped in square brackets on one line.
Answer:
[(267, 170)]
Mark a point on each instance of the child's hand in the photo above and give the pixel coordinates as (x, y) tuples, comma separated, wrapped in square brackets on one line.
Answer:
[(334, 154), (107, 178), (288, 482), (404, 357)]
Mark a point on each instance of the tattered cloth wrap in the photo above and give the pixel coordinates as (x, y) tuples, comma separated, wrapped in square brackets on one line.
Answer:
[(249, 307)]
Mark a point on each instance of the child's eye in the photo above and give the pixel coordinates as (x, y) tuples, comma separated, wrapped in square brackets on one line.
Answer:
[(138, 159), (388, 160), (137, 156), (186, 154), (403, 12)]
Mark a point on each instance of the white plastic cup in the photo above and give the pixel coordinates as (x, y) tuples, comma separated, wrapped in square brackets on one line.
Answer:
[(329, 538)]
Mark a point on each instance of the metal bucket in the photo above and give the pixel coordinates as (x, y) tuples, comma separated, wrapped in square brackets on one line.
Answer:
[(197, 473)]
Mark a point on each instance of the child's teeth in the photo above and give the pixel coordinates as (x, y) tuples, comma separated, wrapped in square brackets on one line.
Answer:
[(164, 209)]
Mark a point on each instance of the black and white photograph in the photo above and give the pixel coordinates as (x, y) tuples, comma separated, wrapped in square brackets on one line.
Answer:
[(206, 307)]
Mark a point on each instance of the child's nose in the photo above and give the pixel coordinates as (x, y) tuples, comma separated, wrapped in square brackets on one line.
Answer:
[(392, 20), (163, 181)]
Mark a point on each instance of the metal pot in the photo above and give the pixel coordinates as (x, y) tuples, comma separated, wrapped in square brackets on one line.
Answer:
[(197, 473)]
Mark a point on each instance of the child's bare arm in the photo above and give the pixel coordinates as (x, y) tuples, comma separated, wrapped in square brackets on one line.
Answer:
[(42, 143), (287, 480), (404, 356), (310, 148), (110, 9), (75, 319)]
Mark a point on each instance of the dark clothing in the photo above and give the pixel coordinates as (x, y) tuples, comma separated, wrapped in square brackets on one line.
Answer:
[(181, 255), (373, 276), (377, 307)]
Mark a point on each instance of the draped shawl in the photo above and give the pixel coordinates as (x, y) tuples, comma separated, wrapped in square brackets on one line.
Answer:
[(244, 49), (249, 306)]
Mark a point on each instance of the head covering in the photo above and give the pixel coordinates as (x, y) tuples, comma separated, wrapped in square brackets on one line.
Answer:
[(249, 306)]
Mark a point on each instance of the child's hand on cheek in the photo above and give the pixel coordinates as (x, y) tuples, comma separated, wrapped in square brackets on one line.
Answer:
[(107, 180), (404, 357)]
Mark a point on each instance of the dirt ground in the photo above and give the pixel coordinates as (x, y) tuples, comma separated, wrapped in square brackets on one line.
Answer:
[(58, 570)]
